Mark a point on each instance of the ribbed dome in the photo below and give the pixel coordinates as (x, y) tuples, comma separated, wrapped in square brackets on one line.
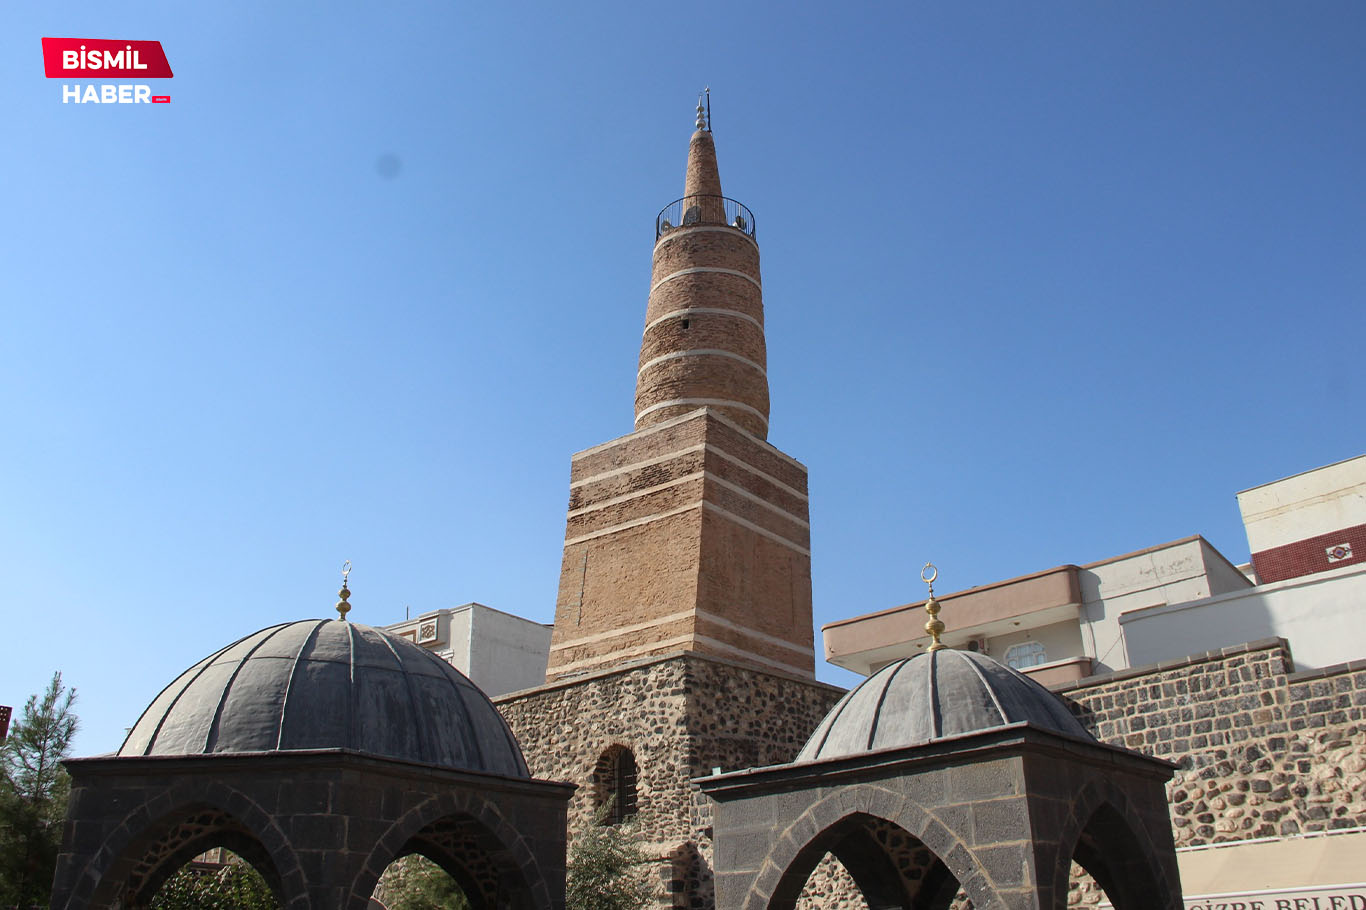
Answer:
[(931, 696), (328, 684)]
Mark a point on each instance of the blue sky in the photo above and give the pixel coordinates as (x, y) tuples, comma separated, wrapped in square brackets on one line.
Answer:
[(1045, 283)]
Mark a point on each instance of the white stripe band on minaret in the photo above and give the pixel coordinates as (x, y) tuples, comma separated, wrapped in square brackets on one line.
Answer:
[(704, 402), (684, 418), (705, 506), (626, 653), (704, 269), (644, 491), (741, 491), (678, 232), (708, 310), (675, 617), (755, 471), (637, 465), (746, 523), (672, 456), (641, 434), (768, 446), (702, 352), (634, 523), (696, 475)]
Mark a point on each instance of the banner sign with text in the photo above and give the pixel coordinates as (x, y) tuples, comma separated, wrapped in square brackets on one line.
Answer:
[(1311, 897), (104, 58)]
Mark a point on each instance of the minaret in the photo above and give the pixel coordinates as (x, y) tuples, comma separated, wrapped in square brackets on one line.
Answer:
[(704, 326), (691, 534)]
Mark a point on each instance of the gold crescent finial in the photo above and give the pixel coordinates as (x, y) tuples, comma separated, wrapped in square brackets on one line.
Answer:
[(928, 574), (345, 593)]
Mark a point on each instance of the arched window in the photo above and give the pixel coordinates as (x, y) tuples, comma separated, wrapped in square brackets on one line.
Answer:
[(1026, 654), (614, 785)]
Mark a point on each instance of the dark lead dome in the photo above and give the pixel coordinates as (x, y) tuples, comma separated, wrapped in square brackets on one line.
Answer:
[(931, 696), (328, 684)]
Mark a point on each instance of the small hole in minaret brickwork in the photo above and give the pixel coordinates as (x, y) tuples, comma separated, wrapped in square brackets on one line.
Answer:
[(685, 323)]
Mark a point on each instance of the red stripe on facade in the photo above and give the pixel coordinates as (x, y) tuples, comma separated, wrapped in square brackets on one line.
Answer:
[(1305, 557)]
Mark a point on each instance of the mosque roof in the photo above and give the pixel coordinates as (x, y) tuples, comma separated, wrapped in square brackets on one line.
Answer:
[(328, 684), (935, 695)]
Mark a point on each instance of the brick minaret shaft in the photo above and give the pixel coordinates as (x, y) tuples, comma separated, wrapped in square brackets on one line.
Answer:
[(704, 326), (691, 533)]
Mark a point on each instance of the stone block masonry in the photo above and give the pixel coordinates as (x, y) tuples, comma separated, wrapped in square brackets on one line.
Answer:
[(681, 716)]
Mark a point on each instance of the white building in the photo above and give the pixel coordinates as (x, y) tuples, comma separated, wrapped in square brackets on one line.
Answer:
[(1307, 537), (499, 652)]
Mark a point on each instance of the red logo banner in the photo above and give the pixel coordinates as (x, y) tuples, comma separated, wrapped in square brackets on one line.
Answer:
[(101, 58)]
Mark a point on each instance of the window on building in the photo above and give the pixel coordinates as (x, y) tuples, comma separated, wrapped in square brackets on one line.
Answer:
[(1026, 654), (614, 785)]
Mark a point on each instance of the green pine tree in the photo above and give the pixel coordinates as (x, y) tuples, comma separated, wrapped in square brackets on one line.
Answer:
[(33, 794)]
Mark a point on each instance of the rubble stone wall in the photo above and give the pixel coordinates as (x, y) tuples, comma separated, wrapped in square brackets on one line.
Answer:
[(681, 716), (1264, 751)]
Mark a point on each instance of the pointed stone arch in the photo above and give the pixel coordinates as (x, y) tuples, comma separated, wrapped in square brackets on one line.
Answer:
[(321, 825), (890, 866), (846, 822), (469, 837), (1119, 845), (167, 829)]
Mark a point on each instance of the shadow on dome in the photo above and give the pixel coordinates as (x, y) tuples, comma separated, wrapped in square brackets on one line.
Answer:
[(309, 740)]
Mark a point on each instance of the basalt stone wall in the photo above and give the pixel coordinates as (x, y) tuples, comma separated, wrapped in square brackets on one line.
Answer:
[(744, 718), (565, 728), (681, 716), (831, 886), (1264, 751), (320, 825)]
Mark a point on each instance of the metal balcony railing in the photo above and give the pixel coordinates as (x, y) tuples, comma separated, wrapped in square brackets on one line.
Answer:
[(692, 210)]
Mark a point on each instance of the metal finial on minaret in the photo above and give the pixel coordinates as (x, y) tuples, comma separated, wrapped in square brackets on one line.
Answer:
[(933, 626), (345, 593), (704, 109)]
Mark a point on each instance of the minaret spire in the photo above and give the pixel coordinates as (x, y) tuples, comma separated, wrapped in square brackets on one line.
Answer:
[(704, 326), (702, 183)]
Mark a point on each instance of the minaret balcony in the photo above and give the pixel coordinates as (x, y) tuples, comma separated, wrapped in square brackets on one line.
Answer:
[(693, 210)]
